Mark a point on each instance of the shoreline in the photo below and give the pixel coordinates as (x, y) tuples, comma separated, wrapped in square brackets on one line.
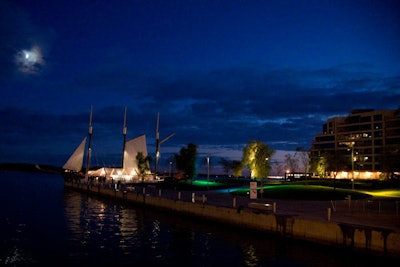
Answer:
[(352, 232)]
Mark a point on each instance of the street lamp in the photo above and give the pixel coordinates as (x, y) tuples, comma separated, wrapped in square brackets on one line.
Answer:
[(262, 178), (208, 168), (352, 166), (351, 145)]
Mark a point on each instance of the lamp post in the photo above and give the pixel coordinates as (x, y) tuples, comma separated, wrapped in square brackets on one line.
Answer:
[(351, 145), (208, 168), (352, 166), (170, 169), (158, 144), (262, 179)]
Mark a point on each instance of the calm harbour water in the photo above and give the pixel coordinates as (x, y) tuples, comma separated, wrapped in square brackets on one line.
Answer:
[(43, 224)]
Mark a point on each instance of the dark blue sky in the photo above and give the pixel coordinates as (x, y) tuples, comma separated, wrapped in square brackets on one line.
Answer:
[(219, 72)]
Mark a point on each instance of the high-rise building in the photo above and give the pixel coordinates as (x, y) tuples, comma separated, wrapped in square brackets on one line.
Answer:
[(367, 141)]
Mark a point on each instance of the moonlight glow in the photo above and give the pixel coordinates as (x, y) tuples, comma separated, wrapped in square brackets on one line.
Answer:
[(29, 61)]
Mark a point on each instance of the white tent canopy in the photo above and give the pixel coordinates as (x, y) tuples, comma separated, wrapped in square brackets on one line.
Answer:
[(129, 171)]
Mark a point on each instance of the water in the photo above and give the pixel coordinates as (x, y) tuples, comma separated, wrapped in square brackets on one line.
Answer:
[(43, 224)]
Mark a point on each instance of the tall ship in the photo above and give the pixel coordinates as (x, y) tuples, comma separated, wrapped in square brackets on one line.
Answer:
[(129, 172)]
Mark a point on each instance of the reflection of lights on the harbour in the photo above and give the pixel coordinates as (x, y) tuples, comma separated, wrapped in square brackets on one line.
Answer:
[(90, 220), (127, 229), (155, 234), (16, 258), (250, 259)]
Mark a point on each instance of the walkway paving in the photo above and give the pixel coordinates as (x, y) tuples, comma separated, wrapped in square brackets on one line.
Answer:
[(340, 211)]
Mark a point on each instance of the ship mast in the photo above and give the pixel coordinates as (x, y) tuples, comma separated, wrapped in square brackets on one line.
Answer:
[(124, 130), (89, 150), (158, 143)]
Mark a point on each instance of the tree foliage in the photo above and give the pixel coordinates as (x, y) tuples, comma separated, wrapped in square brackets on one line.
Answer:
[(237, 168), (256, 156), (143, 163), (186, 160), (232, 167), (291, 162), (318, 164), (390, 160), (304, 157)]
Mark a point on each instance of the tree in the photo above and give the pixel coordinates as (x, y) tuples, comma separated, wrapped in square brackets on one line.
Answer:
[(226, 165), (237, 168), (319, 164), (232, 166), (304, 155), (335, 162), (291, 162), (390, 160), (256, 156), (186, 160), (143, 163)]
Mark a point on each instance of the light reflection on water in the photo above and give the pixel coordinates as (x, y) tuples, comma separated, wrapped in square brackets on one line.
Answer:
[(122, 234), (43, 224), (99, 227)]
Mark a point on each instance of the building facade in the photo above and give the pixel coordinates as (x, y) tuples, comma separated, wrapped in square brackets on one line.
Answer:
[(366, 141)]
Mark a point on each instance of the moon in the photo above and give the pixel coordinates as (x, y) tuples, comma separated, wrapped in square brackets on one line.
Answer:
[(30, 61)]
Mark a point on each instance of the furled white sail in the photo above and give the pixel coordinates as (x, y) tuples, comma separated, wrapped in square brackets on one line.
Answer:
[(75, 161)]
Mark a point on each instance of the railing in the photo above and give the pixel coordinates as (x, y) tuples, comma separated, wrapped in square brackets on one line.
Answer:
[(373, 207)]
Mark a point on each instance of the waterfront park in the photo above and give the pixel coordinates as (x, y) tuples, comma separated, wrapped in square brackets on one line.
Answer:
[(312, 189)]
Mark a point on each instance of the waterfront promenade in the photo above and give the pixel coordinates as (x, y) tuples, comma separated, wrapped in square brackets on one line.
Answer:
[(340, 223), (342, 211)]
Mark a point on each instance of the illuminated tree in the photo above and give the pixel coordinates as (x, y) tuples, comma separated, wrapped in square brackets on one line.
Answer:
[(143, 164), (319, 165), (256, 156), (186, 160)]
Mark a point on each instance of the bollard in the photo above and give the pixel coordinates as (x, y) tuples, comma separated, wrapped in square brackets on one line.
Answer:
[(234, 202), (329, 214), (193, 197), (144, 190), (159, 192), (179, 195), (274, 207), (204, 198)]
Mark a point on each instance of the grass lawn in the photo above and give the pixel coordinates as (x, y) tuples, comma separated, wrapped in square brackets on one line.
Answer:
[(313, 189), (304, 192)]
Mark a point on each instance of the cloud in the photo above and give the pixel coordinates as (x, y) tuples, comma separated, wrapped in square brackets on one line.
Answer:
[(245, 100), (221, 109), (21, 36)]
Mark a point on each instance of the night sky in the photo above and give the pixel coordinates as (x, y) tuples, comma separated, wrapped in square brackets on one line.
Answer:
[(220, 73)]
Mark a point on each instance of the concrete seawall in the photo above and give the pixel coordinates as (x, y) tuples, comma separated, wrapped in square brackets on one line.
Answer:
[(374, 239)]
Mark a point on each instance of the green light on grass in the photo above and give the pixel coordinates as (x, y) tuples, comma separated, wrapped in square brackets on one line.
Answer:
[(205, 183)]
